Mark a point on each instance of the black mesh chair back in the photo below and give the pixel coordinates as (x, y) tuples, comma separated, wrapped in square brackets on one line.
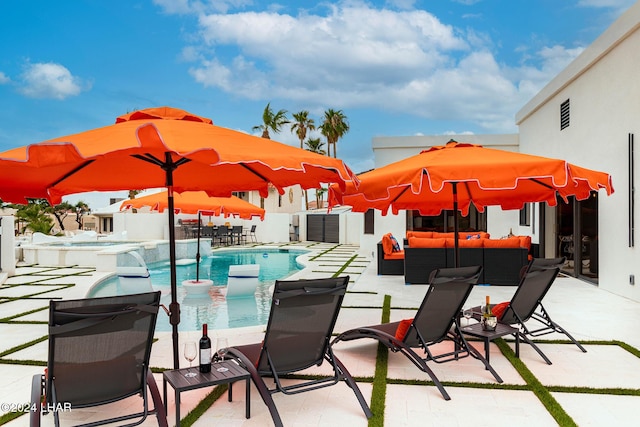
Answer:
[(303, 315), (207, 231), (534, 285), (448, 290), (99, 348), (236, 234)]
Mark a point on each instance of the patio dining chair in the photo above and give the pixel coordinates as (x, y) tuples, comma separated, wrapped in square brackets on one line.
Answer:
[(303, 315), (526, 305), (251, 233), (99, 352), (221, 236), (236, 234), (435, 321)]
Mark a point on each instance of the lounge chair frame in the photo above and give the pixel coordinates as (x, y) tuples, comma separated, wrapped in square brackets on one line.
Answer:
[(81, 320), (289, 346), (427, 330), (526, 304)]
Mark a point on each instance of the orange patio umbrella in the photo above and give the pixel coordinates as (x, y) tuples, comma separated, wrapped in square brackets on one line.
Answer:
[(197, 202), (453, 176), (162, 147)]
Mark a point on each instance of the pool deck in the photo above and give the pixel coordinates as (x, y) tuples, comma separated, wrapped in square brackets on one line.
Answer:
[(600, 387)]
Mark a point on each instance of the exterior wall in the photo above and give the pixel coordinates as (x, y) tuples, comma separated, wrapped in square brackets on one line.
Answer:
[(7, 245), (290, 202), (351, 228), (603, 88)]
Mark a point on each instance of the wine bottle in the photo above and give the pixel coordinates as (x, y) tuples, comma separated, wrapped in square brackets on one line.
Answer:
[(487, 307), (205, 351)]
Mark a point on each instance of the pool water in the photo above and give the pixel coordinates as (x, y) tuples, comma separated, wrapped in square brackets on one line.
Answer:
[(214, 309)]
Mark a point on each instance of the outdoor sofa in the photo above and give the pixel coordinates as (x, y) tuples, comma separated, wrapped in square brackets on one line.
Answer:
[(501, 259)]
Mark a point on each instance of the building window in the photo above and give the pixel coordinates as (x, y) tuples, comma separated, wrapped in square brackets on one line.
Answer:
[(525, 215), (368, 222), (564, 115)]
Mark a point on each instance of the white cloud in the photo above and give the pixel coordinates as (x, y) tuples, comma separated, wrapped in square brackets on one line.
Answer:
[(358, 56), (49, 80), (4, 79)]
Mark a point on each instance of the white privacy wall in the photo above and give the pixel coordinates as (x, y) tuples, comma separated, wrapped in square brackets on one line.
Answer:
[(603, 87)]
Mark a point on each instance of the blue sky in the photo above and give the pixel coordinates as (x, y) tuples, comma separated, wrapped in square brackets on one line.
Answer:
[(396, 67)]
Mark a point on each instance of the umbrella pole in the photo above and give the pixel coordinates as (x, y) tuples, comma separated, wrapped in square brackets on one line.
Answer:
[(198, 251), (174, 307), (456, 247)]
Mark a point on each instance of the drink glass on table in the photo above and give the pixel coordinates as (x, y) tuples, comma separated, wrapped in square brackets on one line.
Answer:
[(467, 313), (221, 345), (190, 353)]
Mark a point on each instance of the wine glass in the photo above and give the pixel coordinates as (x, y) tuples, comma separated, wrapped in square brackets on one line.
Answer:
[(222, 344), (190, 353), (467, 313)]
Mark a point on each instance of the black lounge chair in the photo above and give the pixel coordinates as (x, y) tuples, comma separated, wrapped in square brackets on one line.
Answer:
[(435, 321), (99, 352), (303, 315), (526, 304)]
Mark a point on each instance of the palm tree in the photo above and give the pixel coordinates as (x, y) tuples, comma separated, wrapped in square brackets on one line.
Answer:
[(302, 125), (271, 121), (35, 217), (334, 126), (315, 145)]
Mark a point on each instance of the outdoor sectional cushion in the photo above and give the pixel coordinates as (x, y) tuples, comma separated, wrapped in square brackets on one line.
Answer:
[(421, 234), (464, 243), (387, 244), (391, 247), (511, 242), (394, 255), (416, 242)]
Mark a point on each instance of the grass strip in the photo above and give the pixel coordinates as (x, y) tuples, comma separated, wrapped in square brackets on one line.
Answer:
[(379, 391), (10, 416), (590, 390), (344, 267), (23, 362), (323, 253), (24, 313), (204, 405), (23, 346), (542, 393)]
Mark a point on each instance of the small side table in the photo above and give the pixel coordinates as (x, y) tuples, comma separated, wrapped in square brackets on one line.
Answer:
[(476, 331), (225, 372)]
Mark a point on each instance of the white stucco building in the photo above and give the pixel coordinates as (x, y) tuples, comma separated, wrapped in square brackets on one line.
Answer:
[(589, 114)]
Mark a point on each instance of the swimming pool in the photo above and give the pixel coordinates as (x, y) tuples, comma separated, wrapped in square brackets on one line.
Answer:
[(214, 309)]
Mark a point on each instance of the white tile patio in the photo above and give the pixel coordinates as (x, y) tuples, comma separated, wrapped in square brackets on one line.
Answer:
[(585, 310)]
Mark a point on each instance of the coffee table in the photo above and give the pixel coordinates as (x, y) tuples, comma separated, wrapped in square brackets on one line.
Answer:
[(476, 331), (225, 372)]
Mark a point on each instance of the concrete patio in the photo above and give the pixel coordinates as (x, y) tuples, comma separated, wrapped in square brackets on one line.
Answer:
[(600, 387)]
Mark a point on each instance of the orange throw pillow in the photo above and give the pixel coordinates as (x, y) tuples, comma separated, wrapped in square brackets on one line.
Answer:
[(498, 309), (403, 328), (387, 244)]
